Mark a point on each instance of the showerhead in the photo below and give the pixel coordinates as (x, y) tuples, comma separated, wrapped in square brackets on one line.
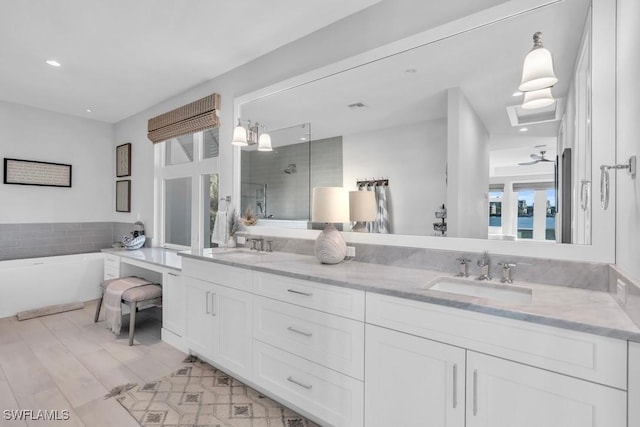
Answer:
[(290, 169)]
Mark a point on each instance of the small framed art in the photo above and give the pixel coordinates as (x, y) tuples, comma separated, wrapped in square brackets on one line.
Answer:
[(123, 195), (123, 160)]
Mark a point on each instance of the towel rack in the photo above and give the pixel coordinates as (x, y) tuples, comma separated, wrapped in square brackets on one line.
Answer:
[(372, 182), (226, 199), (631, 165)]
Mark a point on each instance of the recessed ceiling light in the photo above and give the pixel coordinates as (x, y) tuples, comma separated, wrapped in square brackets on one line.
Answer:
[(517, 93), (53, 63), (524, 129), (303, 139), (89, 110)]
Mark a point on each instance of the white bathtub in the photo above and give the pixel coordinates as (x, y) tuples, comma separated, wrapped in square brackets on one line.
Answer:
[(38, 282)]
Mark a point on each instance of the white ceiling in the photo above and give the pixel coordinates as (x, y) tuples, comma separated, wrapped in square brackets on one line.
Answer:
[(120, 57)]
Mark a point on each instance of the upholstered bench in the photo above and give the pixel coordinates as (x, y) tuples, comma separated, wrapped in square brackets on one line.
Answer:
[(135, 298)]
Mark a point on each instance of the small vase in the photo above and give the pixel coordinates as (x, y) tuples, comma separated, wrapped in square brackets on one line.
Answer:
[(231, 243)]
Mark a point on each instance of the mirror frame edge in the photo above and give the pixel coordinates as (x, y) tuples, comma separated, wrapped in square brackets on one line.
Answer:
[(602, 248)]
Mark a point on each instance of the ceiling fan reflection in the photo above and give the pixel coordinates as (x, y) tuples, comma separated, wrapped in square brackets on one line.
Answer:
[(537, 158)]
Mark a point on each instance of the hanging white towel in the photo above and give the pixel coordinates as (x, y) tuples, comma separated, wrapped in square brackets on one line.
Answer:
[(381, 223), (383, 211), (220, 229)]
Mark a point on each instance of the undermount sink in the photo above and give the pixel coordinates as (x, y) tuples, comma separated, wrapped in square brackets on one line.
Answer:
[(482, 289), (239, 253)]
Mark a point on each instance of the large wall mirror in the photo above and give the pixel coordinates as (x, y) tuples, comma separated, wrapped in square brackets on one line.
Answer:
[(442, 124)]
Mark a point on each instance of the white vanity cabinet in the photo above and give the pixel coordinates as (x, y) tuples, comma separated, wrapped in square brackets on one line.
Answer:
[(502, 388), (309, 347), (174, 304), (501, 393), (111, 266), (412, 381), (219, 325)]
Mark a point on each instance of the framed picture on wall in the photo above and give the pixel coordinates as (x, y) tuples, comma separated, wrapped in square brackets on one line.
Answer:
[(123, 195), (123, 160)]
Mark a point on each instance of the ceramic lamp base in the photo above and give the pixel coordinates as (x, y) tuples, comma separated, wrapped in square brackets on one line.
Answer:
[(330, 247)]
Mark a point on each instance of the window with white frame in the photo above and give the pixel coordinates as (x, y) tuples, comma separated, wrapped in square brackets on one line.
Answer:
[(186, 189)]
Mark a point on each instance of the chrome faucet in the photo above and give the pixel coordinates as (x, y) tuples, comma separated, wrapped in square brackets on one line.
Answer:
[(254, 244), (463, 265), (506, 271), (484, 263)]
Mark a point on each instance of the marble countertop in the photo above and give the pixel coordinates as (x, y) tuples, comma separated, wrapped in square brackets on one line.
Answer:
[(567, 307), (157, 256)]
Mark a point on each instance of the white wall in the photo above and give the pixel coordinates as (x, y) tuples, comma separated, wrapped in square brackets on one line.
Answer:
[(468, 169), (411, 158), (628, 137), (34, 134)]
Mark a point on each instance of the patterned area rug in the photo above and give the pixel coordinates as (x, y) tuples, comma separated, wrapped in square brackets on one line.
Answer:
[(198, 395)]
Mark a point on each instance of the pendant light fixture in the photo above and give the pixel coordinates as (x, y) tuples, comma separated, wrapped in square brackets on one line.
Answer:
[(537, 71), (537, 99)]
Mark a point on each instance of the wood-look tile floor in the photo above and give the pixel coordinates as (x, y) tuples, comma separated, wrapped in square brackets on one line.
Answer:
[(67, 362)]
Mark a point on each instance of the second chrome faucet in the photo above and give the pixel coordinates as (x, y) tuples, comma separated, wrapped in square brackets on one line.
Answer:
[(485, 267)]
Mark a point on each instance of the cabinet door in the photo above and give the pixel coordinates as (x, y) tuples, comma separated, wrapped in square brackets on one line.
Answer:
[(501, 393), (199, 320), (174, 305), (231, 311), (411, 381)]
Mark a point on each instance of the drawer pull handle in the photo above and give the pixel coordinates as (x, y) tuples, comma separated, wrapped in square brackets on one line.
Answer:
[(475, 392), (306, 294), (455, 385), (297, 331), (172, 274), (207, 302), (303, 385)]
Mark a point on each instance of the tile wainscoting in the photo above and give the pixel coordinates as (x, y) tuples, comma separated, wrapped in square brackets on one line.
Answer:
[(30, 240)]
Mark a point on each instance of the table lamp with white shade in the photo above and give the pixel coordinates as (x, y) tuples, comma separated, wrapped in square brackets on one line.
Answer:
[(331, 206), (362, 208)]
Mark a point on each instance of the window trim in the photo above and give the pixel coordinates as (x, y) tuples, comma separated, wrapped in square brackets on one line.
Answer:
[(196, 171)]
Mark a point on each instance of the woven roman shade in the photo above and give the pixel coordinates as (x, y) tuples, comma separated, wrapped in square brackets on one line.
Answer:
[(194, 117)]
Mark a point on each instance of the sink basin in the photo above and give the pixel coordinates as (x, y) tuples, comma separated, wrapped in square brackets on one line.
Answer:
[(482, 289), (239, 253)]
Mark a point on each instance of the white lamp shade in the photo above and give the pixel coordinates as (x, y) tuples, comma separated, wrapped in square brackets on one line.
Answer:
[(537, 71), (264, 142), (239, 136), (330, 204), (537, 99), (362, 205)]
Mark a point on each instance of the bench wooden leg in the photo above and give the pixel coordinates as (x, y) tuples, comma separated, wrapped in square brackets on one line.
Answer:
[(132, 320), (98, 309)]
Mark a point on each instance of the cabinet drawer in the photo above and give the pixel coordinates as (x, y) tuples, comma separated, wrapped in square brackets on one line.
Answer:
[(112, 260), (333, 398), (111, 271), (331, 299), (233, 277), (331, 341), (591, 357)]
